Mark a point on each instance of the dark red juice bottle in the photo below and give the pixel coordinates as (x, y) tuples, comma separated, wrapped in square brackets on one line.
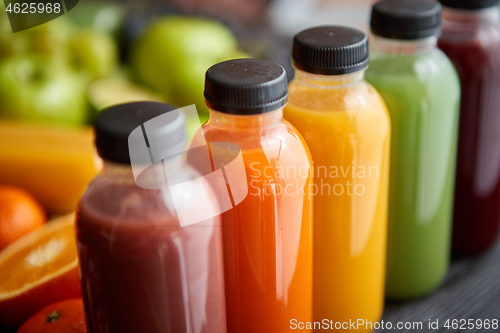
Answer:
[(471, 39), (141, 270)]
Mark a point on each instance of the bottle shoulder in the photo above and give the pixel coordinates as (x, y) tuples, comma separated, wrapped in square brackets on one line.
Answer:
[(112, 197), (247, 137), (123, 201), (458, 33), (361, 95), (279, 144), (472, 49), (405, 64), (412, 71)]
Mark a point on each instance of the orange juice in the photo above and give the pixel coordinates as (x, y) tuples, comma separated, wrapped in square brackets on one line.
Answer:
[(347, 128), (267, 236)]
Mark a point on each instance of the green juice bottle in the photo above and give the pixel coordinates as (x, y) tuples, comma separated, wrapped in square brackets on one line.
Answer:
[(422, 92)]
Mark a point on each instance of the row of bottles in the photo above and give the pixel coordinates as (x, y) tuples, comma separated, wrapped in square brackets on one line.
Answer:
[(348, 183)]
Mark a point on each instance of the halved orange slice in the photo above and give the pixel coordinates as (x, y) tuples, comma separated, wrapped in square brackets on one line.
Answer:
[(39, 269)]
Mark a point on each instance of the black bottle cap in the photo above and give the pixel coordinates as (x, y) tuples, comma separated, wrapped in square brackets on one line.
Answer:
[(330, 50), (406, 19), (469, 4), (113, 126), (246, 86)]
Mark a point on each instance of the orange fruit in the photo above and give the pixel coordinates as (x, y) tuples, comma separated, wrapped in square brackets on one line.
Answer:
[(37, 270), (20, 214), (63, 317)]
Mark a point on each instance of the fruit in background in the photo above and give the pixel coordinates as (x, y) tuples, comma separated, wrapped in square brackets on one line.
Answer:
[(41, 91), (169, 41), (188, 88), (37, 270), (174, 53), (137, 21), (106, 92), (48, 40), (20, 214), (193, 124), (62, 317), (53, 163), (93, 52), (10, 43), (109, 91), (98, 15)]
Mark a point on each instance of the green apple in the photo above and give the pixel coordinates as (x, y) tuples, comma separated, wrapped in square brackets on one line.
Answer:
[(94, 53), (114, 90), (188, 89), (10, 43), (98, 15), (34, 89), (49, 40), (174, 53)]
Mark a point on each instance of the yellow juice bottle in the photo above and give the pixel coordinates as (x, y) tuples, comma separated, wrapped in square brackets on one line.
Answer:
[(346, 125)]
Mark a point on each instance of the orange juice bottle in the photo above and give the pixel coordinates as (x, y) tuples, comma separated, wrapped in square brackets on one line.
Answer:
[(267, 234), (346, 126)]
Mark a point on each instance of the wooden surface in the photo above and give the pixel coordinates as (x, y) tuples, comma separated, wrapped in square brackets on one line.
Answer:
[(471, 290)]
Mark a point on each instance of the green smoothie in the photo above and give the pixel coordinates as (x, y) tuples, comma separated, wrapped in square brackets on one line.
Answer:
[(422, 91)]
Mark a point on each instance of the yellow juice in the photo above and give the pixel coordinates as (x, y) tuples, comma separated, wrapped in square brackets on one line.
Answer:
[(346, 126)]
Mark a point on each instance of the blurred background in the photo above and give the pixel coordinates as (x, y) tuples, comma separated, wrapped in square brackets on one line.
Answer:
[(55, 78), (122, 41)]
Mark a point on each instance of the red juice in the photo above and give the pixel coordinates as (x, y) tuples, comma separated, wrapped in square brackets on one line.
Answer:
[(141, 270), (471, 40), (146, 266)]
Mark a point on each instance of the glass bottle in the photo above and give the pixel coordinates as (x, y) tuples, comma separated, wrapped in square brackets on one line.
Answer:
[(470, 38), (346, 125), (267, 229), (141, 270), (422, 92)]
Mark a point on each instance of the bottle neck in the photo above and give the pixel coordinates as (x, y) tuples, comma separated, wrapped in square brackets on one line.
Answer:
[(328, 81), (246, 122), (402, 46), (116, 171), (123, 173), (489, 15)]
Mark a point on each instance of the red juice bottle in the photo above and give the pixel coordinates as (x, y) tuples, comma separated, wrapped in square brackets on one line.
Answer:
[(141, 270), (470, 38)]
